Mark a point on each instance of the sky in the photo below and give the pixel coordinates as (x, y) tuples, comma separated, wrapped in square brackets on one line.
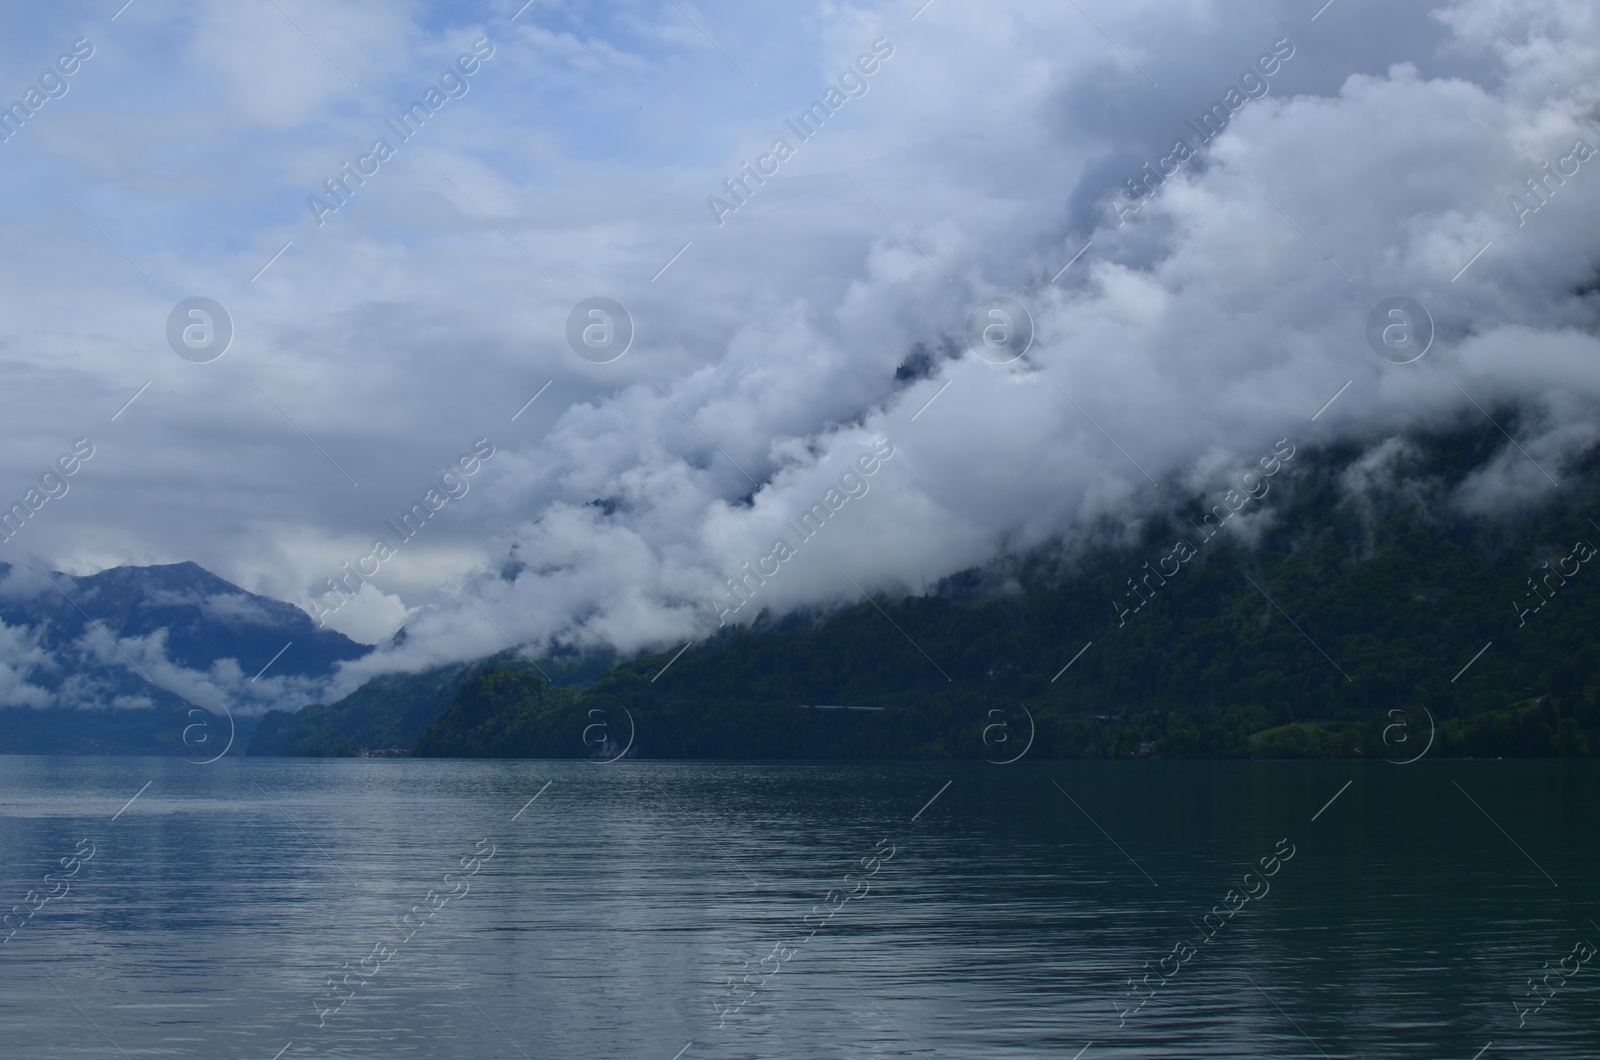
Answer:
[(786, 334)]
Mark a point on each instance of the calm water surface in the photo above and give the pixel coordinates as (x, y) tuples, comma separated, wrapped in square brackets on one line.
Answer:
[(607, 917)]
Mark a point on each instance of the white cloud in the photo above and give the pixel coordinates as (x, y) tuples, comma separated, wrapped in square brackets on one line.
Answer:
[(20, 656), (1182, 344)]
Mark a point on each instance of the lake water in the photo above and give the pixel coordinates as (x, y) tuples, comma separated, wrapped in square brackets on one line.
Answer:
[(606, 918)]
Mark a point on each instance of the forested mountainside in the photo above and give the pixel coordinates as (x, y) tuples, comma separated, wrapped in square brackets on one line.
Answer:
[(1353, 608)]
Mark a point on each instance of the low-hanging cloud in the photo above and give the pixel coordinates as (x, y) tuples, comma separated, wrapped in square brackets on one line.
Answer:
[(1218, 321), (1171, 347)]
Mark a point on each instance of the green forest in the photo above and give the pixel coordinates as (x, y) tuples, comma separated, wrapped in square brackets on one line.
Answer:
[(1360, 613)]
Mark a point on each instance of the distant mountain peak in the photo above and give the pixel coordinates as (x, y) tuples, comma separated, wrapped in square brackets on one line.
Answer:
[(106, 661)]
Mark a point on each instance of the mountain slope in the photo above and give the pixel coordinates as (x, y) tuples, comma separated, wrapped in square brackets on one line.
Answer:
[(388, 711), (393, 710), (116, 662), (1356, 586)]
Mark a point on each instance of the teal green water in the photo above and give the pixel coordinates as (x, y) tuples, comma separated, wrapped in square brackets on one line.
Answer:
[(655, 909)]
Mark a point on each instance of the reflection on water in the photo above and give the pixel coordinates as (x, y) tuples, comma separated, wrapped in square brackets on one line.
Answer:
[(638, 909)]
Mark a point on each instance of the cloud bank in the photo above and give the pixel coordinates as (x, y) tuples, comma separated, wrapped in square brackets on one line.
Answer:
[(1415, 154)]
